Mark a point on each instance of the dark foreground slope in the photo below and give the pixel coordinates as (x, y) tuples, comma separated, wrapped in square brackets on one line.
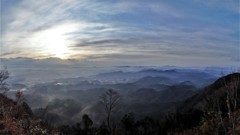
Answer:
[(215, 110), (219, 89), (16, 118)]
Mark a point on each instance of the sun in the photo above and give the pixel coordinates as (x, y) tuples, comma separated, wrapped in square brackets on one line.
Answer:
[(54, 42), (56, 45)]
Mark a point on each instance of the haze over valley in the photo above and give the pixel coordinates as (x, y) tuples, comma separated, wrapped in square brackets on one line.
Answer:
[(68, 85)]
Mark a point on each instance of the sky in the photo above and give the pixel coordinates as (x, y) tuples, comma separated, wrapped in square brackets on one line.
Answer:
[(139, 32)]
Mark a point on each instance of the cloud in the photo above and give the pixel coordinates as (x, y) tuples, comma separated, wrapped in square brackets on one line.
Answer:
[(7, 54), (103, 42), (124, 30)]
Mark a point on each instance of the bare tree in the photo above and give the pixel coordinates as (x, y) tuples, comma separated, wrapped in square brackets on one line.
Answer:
[(232, 100), (215, 103), (226, 100), (19, 97), (4, 75), (110, 99)]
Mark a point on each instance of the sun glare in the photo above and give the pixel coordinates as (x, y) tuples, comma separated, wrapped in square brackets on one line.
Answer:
[(56, 45), (54, 42)]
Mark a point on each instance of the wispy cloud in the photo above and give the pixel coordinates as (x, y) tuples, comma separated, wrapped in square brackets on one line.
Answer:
[(126, 30)]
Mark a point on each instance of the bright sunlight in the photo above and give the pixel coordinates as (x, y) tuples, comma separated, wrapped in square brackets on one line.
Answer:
[(54, 41)]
